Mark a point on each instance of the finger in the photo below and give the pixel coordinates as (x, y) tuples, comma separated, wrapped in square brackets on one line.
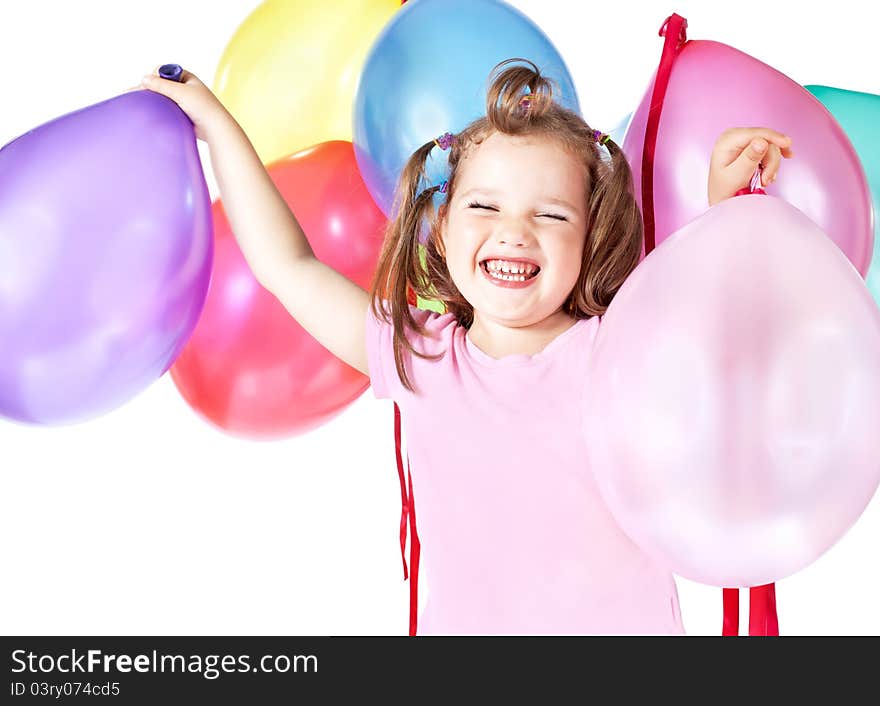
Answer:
[(741, 169), (771, 165), (186, 77), (184, 74), (740, 137), (754, 153), (190, 79), (732, 142), (172, 89)]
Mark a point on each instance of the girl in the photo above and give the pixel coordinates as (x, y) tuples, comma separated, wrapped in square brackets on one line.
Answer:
[(535, 234)]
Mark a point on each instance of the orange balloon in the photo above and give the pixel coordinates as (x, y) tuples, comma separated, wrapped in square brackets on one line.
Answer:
[(249, 367)]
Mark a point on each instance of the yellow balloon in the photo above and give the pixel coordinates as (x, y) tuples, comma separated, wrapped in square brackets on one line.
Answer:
[(289, 73)]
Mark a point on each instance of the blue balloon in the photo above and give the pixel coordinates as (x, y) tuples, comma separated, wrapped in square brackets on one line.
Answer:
[(427, 73), (618, 134)]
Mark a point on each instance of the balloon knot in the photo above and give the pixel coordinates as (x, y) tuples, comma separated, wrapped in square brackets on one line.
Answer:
[(682, 35)]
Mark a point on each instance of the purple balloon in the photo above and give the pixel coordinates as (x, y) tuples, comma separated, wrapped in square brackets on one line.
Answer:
[(106, 246)]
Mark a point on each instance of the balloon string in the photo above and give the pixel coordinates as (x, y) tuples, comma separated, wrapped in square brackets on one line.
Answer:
[(414, 551), (674, 30), (763, 620), (754, 185), (408, 505), (408, 512), (762, 610), (403, 500), (730, 626)]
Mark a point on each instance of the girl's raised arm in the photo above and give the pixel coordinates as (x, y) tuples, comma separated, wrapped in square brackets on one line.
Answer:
[(325, 303)]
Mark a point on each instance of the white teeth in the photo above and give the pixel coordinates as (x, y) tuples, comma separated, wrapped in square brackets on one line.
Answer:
[(507, 278), (509, 267)]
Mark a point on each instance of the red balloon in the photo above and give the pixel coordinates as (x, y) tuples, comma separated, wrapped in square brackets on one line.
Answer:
[(249, 367)]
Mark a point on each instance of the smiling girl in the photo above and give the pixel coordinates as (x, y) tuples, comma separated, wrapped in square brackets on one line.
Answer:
[(536, 231)]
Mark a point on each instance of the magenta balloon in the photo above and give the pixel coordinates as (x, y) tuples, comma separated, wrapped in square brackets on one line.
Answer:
[(714, 87), (733, 401), (105, 256)]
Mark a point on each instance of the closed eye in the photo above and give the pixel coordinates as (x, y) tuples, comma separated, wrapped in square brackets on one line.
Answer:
[(554, 216)]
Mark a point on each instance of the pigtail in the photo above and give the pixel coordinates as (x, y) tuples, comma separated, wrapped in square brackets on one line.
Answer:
[(399, 264), (614, 242)]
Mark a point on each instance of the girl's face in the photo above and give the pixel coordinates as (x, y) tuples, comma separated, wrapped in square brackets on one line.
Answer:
[(516, 198)]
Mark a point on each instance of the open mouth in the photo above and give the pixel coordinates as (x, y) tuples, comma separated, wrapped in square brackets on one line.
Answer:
[(528, 272)]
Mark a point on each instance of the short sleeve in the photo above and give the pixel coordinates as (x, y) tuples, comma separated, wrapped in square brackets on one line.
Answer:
[(379, 339), (384, 377)]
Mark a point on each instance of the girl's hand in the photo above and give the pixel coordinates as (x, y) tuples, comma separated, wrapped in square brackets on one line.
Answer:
[(736, 155), (194, 98)]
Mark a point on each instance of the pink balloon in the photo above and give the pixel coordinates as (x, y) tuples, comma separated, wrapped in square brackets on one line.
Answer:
[(714, 87), (732, 407)]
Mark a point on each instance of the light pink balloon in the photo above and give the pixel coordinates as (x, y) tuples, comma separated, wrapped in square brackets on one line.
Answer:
[(714, 87), (732, 409)]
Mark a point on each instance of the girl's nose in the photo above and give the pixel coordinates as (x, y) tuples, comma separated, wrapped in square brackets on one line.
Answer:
[(515, 234)]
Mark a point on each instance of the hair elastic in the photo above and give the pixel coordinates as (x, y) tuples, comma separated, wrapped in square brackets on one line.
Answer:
[(443, 187), (601, 137), (444, 142)]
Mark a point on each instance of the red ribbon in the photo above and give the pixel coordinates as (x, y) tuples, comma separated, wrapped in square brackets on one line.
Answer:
[(730, 627), (763, 620), (408, 507), (408, 512), (403, 498), (762, 599), (414, 551), (762, 611), (674, 30)]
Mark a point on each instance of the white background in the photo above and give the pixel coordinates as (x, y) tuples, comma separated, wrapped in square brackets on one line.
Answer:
[(148, 521)]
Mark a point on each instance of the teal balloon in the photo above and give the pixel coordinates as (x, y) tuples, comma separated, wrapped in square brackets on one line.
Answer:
[(859, 115)]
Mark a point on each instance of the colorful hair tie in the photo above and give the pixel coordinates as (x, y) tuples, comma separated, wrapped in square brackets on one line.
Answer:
[(601, 137), (443, 186), (526, 101), (444, 142)]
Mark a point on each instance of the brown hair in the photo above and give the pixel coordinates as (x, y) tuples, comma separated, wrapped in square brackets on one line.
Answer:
[(614, 224)]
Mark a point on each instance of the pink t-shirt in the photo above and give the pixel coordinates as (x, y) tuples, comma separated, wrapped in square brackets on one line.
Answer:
[(515, 538)]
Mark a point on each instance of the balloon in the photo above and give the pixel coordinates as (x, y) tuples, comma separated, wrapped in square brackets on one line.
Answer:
[(824, 178), (426, 74), (618, 134), (732, 425), (858, 115), (249, 367), (105, 256), (289, 73)]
